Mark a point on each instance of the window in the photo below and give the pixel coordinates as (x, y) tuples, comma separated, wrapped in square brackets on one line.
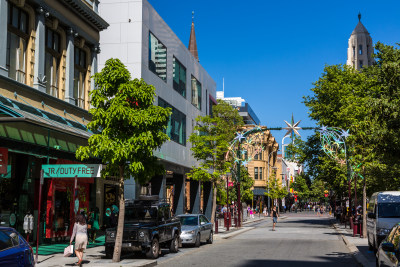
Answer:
[(179, 81), (361, 63), (354, 51), (196, 93), (157, 57), (52, 63), (255, 173), (176, 129), (258, 156), (360, 49), (260, 175), (79, 77), (17, 39)]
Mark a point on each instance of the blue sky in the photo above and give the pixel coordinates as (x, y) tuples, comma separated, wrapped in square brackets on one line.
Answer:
[(270, 52)]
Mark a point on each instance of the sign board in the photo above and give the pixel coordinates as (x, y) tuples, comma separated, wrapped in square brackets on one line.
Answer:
[(347, 204), (71, 170)]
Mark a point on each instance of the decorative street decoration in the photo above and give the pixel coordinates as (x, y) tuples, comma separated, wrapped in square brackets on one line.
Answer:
[(292, 128), (333, 143)]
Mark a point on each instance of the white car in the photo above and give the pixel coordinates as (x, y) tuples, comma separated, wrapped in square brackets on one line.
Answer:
[(195, 228)]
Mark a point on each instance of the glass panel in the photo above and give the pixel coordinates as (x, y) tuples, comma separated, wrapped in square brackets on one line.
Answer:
[(23, 22), (49, 39), (56, 45), (82, 62), (15, 17), (261, 174), (76, 56), (255, 173), (8, 50), (176, 129), (157, 57)]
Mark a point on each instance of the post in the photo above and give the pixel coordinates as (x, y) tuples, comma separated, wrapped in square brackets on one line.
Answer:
[(38, 218), (239, 208), (364, 229), (227, 204)]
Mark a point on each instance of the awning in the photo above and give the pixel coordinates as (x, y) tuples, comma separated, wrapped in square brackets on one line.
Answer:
[(259, 191), (24, 123)]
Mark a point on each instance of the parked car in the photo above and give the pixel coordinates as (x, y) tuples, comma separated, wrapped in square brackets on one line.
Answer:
[(148, 226), (388, 251), (14, 250), (383, 213), (196, 228)]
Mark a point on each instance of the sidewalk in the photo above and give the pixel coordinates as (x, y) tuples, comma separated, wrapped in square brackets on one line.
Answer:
[(357, 246), (93, 257)]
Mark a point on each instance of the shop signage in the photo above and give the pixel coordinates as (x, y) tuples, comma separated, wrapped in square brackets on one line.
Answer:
[(71, 170)]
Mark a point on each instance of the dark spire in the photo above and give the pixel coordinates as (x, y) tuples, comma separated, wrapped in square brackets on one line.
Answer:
[(192, 41), (359, 16)]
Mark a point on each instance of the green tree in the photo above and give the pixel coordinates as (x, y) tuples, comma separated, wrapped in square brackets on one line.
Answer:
[(275, 190), (210, 146), (301, 187), (246, 184), (127, 127)]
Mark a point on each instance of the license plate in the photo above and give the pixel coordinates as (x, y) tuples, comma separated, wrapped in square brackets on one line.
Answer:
[(127, 244)]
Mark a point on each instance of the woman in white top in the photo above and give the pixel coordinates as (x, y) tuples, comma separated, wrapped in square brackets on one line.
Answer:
[(80, 235)]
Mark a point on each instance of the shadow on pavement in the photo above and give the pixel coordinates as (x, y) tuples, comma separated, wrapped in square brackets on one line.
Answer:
[(341, 259)]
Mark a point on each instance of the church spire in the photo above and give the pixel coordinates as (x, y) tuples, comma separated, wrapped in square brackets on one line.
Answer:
[(192, 41)]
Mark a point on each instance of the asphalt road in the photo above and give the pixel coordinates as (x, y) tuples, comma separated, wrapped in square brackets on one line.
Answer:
[(299, 240)]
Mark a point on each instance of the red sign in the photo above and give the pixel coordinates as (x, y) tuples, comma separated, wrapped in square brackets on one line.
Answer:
[(3, 160), (326, 195)]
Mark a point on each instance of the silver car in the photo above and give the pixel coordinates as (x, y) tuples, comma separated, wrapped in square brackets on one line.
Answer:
[(196, 228)]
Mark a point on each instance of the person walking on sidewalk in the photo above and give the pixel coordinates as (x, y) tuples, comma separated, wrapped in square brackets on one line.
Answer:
[(80, 235), (274, 215)]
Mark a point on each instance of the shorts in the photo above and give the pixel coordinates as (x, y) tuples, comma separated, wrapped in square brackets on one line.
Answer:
[(275, 219)]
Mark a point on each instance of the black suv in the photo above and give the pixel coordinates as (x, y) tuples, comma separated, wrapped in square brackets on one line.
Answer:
[(148, 226)]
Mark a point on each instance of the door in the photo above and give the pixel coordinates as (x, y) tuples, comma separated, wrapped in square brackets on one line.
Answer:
[(204, 229)]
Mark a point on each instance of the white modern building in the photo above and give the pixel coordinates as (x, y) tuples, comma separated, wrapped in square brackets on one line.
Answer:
[(141, 39)]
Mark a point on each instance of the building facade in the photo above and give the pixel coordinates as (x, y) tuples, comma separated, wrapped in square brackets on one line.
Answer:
[(48, 52), (360, 49), (141, 39)]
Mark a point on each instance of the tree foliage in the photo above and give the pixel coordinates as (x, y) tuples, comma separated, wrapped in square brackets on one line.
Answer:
[(127, 127), (275, 190), (210, 145)]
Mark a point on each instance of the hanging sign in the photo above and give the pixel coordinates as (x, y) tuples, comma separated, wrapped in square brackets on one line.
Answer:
[(71, 170)]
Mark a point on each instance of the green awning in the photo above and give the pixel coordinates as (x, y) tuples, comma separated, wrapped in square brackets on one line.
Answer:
[(25, 123)]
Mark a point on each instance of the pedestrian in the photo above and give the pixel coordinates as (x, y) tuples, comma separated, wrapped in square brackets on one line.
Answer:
[(107, 219), (94, 219), (80, 235), (114, 216), (274, 215), (265, 212)]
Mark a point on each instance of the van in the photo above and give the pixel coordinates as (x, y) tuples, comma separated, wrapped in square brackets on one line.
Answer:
[(383, 212)]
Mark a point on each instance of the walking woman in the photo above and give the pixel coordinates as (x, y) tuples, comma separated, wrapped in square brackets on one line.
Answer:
[(80, 235)]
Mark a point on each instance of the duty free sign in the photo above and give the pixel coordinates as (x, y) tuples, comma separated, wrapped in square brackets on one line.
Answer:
[(71, 170)]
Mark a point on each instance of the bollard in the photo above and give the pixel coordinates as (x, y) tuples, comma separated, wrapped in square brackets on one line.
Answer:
[(225, 219)]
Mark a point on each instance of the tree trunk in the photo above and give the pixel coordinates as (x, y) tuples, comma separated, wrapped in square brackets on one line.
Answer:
[(214, 203), (121, 217)]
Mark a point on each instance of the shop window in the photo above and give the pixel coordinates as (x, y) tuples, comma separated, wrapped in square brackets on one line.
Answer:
[(255, 173), (196, 93), (179, 81), (52, 63), (354, 51), (176, 129), (17, 39), (80, 77), (157, 57)]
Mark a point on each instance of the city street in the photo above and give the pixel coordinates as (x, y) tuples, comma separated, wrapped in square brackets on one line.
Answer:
[(301, 239)]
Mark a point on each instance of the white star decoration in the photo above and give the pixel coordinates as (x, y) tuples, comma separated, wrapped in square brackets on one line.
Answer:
[(323, 129), (292, 128), (239, 136), (345, 134)]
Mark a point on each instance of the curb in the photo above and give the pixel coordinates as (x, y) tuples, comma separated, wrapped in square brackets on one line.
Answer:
[(355, 253)]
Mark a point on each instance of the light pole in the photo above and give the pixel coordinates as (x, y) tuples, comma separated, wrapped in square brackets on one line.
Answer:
[(283, 148)]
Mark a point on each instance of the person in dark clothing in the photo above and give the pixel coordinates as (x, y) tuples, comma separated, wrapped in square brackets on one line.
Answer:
[(274, 215), (114, 216)]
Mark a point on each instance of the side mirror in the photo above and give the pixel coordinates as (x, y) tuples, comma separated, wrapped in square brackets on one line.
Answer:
[(371, 215), (388, 247), (202, 223)]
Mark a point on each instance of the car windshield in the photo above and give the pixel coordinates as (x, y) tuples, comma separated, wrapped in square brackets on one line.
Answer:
[(188, 220), (389, 210), (141, 213)]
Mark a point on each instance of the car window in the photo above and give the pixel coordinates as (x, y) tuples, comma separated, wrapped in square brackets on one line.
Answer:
[(189, 220), (204, 219), (391, 234), (389, 210), (167, 214), (8, 240)]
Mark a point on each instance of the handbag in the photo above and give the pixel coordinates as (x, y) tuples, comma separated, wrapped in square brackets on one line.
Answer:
[(68, 251)]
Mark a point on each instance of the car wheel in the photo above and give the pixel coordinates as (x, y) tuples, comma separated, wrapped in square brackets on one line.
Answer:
[(210, 238), (174, 245), (153, 251), (197, 243), (109, 252)]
